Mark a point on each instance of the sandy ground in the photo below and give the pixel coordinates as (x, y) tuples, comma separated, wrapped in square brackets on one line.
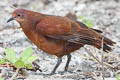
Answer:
[(105, 15)]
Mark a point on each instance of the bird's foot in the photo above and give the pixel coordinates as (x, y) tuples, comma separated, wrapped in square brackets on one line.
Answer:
[(65, 71), (49, 74), (52, 73)]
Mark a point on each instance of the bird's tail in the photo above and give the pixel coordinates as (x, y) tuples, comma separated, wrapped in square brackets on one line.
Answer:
[(107, 43)]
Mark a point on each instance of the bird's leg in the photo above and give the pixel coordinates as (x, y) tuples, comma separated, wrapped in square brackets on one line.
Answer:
[(65, 47), (67, 63), (56, 66), (60, 59)]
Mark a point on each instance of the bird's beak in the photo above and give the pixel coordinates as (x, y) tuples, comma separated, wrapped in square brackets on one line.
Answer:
[(12, 18)]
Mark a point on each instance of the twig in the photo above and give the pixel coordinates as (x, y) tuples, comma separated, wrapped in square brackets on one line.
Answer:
[(91, 74), (77, 73), (102, 59), (95, 76), (15, 74), (6, 65), (106, 64)]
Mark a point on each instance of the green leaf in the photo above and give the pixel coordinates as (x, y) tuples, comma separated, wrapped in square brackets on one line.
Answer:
[(29, 66), (31, 59), (1, 78), (26, 54), (11, 55), (117, 76), (2, 61), (82, 18), (19, 64), (89, 23)]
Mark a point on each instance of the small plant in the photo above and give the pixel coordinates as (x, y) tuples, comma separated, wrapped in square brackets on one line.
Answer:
[(25, 59), (1, 78), (117, 76), (88, 22)]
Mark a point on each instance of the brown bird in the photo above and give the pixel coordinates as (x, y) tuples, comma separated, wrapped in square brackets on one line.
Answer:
[(57, 35)]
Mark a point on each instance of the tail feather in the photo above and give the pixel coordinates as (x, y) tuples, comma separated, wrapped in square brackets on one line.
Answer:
[(106, 48), (87, 38), (107, 43)]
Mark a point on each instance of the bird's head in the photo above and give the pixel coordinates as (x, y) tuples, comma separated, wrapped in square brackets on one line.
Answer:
[(18, 15)]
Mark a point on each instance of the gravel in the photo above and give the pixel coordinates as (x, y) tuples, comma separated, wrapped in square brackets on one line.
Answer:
[(103, 13)]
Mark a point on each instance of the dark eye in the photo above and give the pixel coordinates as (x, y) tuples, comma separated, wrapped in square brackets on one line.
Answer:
[(18, 15)]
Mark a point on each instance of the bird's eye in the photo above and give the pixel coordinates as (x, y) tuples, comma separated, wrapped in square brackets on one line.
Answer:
[(18, 15)]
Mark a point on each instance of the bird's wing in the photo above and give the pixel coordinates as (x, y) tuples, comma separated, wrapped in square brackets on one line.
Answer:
[(72, 31), (64, 29), (84, 26), (55, 25)]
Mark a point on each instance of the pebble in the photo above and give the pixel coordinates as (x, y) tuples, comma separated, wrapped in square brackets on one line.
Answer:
[(104, 17)]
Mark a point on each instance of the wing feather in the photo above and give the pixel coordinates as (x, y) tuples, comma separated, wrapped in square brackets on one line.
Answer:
[(72, 31)]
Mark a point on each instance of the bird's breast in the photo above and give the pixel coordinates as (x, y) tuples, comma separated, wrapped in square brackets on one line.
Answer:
[(50, 46)]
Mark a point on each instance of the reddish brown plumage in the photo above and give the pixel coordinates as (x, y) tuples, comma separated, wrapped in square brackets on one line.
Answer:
[(58, 35)]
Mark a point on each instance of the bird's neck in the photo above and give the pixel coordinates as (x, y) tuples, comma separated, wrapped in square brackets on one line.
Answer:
[(31, 21), (29, 28)]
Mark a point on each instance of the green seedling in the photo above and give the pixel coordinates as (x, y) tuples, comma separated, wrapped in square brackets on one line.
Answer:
[(88, 22), (1, 78), (117, 76), (25, 59)]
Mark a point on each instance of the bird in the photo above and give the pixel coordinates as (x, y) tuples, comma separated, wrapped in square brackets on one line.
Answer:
[(57, 35)]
